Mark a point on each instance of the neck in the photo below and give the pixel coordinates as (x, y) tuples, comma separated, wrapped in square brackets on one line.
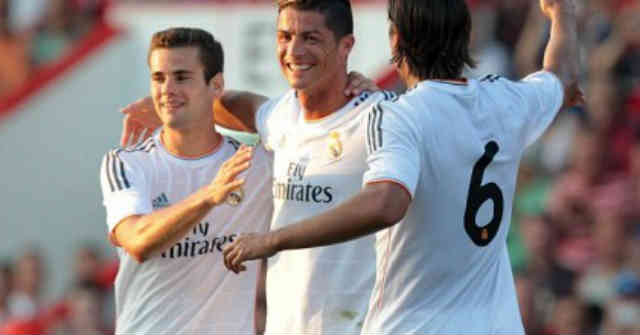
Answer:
[(324, 101), (190, 143)]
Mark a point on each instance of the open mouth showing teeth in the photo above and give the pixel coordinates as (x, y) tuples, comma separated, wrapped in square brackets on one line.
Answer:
[(296, 67), (172, 105)]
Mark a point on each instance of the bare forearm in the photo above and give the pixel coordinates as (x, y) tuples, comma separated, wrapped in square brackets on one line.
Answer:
[(561, 54), (371, 210), (159, 230), (236, 110)]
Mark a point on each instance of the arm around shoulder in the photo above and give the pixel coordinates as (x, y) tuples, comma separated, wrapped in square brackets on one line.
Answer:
[(237, 110)]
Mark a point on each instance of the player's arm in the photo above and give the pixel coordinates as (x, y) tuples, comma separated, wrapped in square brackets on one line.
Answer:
[(561, 53), (394, 167), (237, 110), (145, 235), (260, 316), (378, 206)]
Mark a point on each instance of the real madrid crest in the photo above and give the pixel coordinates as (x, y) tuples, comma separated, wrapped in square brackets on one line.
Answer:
[(334, 145), (235, 198)]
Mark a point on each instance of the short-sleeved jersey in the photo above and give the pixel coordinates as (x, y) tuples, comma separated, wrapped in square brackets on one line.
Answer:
[(185, 289), (456, 148), (317, 165)]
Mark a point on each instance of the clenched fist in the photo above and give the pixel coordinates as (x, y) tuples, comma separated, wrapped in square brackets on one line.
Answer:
[(552, 7)]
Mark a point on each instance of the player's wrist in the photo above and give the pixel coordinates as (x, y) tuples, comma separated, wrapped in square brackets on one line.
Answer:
[(563, 13), (210, 197), (273, 241)]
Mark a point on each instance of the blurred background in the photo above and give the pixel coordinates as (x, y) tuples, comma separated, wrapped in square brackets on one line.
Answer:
[(68, 66)]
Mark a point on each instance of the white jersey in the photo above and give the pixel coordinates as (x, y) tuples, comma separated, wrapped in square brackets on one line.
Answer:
[(317, 165), (186, 289), (456, 148)]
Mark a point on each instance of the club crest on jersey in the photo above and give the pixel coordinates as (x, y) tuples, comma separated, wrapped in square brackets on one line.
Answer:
[(235, 198), (334, 145)]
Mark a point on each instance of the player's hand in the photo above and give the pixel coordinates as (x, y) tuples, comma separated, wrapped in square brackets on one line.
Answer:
[(225, 181), (358, 83), (552, 7), (245, 248), (140, 120)]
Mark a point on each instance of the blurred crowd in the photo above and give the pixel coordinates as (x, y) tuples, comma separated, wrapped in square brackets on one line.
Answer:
[(36, 33), (575, 237), (86, 306)]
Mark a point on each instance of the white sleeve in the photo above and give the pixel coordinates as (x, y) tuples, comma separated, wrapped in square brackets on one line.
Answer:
[(392, 147), (262, 116), (124, 189), (544, 94)]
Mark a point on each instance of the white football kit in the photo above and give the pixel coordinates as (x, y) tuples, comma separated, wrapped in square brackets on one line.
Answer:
[(185, 289), (456, 148), (317, 165)]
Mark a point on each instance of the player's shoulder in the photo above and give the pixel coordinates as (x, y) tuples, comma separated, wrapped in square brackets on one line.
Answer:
[(541, 76), (275, 103), (136, 153), (261, 155), (369, 98)]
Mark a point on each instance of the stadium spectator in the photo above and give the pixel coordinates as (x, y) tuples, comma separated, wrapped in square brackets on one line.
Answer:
[(14, 59), (28, 280), (54, 36), (86, 264), (85, 303), (5, 290), (568, 316)]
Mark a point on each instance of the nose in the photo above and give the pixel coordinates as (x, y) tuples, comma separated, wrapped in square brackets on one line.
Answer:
[(296, 47), (169, 86)]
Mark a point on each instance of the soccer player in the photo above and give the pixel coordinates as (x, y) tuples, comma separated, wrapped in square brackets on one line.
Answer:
[(173, 202), (443, 161), (316, 133)]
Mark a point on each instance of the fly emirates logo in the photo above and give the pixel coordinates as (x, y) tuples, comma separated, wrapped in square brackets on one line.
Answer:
[(293, 188)]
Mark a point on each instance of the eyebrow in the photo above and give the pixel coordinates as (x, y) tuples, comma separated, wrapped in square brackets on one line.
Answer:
[(176, 72), (301, 33)]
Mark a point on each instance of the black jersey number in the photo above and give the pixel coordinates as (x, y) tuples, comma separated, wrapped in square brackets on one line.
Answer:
[(478, 194)]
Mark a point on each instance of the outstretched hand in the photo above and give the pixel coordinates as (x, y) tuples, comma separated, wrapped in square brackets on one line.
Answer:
[(358, 83), (139, 122), (245, 248)]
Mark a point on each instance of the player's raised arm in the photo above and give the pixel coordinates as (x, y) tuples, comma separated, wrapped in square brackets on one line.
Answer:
[(561, 54), (145, 235)]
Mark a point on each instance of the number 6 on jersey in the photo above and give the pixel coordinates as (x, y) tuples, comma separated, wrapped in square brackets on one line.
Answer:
[(478, 194)]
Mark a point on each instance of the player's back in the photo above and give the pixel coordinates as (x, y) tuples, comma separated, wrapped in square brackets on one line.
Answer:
[(444, 268)]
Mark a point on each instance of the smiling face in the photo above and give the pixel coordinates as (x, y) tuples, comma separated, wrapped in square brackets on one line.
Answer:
[(180, 94), (309, 55)]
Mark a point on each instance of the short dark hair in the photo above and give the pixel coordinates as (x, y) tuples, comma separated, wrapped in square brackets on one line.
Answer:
[(337, 13), (210, 50), (433, 37)]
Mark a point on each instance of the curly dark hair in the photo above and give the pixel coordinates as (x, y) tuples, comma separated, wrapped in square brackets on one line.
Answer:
[(433, 37)]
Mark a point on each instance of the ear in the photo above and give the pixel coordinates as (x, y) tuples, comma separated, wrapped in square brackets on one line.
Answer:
[(346, 45), (216, 84)]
